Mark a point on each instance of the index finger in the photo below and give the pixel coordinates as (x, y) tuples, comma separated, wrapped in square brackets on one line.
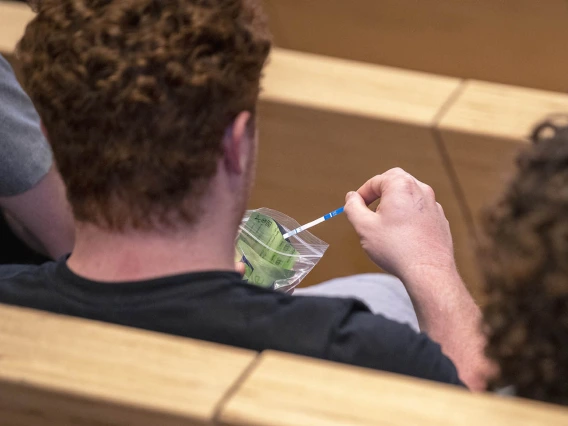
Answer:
[(374, 188)]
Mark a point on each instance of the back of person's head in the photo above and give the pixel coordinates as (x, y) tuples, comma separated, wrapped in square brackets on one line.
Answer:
[(136, 96), (524, 255)]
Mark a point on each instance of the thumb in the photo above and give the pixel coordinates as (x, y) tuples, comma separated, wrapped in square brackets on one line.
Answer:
[(357, 211)]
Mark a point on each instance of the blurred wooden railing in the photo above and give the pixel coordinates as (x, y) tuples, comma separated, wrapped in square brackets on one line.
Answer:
[(518, 42), (64, 371)]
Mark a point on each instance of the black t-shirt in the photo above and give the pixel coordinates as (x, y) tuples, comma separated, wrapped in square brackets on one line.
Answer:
[(219, 307)]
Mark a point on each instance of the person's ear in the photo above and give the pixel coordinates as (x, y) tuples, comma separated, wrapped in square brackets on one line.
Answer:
[(237, 144)]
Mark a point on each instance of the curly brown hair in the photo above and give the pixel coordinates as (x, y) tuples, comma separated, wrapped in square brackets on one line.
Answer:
[(34, 4), (136, 96), (524, 256)]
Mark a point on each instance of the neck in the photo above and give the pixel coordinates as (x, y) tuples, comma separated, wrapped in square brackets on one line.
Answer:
[(108, 256)]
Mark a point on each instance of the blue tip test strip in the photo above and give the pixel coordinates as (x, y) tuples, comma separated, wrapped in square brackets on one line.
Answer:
[(313, 223)]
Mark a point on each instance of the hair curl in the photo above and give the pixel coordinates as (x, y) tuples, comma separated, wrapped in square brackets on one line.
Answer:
[(136, 96), (524, 256), (34, 4)]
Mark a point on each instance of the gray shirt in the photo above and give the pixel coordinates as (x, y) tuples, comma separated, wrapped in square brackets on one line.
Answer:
[(25, 155)]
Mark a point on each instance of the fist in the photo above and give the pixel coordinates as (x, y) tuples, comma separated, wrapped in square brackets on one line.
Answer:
[(408, 232)]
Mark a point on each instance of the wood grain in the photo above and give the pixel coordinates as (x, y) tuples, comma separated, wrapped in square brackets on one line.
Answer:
[(508, 41), (58, 370), (484, 130), (13, 20), (328, 125), (355, 88), (288, 390)]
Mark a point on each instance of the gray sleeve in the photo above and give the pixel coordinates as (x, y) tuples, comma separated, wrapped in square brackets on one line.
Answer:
[(25, 155)]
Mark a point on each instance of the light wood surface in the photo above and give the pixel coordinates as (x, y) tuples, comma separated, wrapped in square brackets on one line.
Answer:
[(484, 130), (508, 41), (356, 88), (57, 370), (65, 371), (13, 20), (328, 125), (288, 390)]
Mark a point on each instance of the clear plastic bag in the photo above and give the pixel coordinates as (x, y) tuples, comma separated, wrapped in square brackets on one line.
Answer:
[(271, 261)]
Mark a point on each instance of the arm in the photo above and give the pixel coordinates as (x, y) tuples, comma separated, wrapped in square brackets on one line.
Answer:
[(369, 341), (448, 314), (32, 195), (41, 216), (409, 236)]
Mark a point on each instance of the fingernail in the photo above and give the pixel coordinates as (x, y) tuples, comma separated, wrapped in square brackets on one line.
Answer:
[(349, 195)]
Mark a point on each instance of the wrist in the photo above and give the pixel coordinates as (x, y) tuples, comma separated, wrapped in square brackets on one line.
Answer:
[(442, 272), (440, 298)]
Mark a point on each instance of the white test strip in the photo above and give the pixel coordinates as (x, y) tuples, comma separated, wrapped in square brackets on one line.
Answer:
[(313, 223)]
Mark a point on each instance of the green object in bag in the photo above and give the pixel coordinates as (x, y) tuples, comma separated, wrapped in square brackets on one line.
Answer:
[(267, 255)]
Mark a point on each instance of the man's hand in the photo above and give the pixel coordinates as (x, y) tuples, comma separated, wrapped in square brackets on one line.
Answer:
[(409, 231), (409, 236)]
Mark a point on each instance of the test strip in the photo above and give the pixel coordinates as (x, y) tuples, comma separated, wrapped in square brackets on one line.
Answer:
[(313, 223)]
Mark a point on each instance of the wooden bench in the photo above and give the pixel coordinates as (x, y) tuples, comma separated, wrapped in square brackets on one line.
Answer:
[(484, 129), (518, 42), (58, 370), (287, 390), (13, 19), (64, 371)]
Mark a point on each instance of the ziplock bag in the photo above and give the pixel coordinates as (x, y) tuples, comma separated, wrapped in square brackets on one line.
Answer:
[(270, 260)]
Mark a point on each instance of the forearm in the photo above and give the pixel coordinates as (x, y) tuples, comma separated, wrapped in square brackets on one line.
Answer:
[(43, 215), (448, 314), (24, 235)]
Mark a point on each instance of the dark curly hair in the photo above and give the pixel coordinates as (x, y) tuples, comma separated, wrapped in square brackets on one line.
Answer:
[(34, 4), (136, 96), (524, 256)]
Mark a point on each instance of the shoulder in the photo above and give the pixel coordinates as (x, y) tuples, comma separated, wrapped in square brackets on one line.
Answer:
[(303, 325), (17, 280), (373, 341), (330, 309), (8, 272), (346, 331)]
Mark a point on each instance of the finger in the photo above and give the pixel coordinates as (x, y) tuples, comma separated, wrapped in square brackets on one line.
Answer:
[(374, 188), (357, 211), (441, 209)]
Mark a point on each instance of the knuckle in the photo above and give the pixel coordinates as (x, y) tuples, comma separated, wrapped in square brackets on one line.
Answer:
[(406, 180), (430, 191), (409, 184), (396, 171)]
